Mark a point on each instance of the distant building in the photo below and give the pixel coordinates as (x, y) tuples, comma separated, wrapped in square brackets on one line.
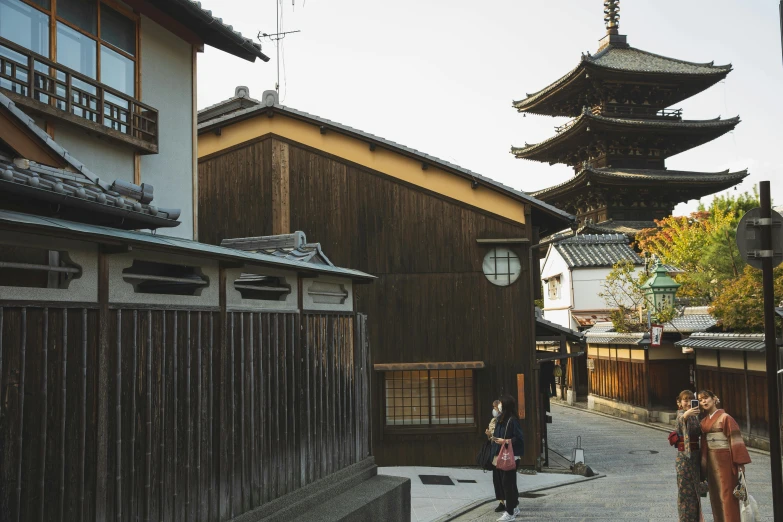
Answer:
[(622, 132)]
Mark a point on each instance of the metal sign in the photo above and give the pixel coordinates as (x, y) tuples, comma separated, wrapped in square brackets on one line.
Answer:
[(656, 334), (749, 238)]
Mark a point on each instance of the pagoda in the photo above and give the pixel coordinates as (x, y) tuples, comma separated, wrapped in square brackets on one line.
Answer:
[(622, 131)]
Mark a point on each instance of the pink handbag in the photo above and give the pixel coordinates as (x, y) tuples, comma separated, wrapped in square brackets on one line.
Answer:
[(505, 459)]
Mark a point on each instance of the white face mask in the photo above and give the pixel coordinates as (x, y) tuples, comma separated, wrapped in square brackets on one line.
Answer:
[(495, 413)]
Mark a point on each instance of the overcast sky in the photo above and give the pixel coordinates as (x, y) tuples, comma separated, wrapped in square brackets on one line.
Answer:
[(440, 75)]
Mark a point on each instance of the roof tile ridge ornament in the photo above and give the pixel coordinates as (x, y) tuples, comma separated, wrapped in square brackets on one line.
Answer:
[(612, 21)]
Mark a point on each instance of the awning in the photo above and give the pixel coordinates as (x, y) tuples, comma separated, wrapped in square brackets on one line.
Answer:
[(398, 367), (554, 356), (724, 341)]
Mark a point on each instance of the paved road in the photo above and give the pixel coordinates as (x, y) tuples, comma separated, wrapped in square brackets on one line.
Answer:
[(640, 482)]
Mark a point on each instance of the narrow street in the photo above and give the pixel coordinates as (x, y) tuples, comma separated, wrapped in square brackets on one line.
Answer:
[(640, 482)]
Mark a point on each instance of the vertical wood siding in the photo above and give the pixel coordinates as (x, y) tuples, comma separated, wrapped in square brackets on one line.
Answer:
[(729, 385), (195, 432), (622, 380)]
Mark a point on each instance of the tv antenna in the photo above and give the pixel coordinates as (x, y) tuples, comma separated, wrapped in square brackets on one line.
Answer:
[(276, 37)]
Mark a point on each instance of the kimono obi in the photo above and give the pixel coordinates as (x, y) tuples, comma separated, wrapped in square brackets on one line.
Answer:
[(717, 440)]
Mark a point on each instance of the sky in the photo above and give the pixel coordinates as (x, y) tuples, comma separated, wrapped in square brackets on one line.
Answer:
[(440, 75)]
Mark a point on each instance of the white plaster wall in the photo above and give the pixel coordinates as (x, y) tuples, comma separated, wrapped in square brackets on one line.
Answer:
[(167, 78), (588, 283), (107, 159), (555, 265)]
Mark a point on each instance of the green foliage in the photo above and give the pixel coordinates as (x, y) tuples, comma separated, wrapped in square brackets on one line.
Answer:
[(740, 304), (703, 244)]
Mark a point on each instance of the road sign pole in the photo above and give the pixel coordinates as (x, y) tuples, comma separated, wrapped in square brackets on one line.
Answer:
[(770, 341)]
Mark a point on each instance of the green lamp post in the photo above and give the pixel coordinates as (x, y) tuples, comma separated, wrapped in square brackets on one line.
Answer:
[(660, 289)]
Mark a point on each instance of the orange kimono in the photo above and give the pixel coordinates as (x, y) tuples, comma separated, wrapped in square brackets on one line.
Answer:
[(722, 450)]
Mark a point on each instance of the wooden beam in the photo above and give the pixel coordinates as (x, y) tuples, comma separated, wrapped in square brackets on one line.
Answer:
[(26, 143), (281, 214), (194, 143), (506, 241), (463, 365)]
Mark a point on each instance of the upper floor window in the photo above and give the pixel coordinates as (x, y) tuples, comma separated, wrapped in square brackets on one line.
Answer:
[(97, 39), (553, 287), (501, 266)]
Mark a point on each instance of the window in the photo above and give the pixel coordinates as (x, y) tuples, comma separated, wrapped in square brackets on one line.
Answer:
[(429, 398), (30, 267), (501, 266), (149, 277), (261, 287), (553, 287), (91, 37)]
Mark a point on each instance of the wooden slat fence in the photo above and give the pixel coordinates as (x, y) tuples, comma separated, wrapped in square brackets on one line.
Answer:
[(209, 414), (622, 380)]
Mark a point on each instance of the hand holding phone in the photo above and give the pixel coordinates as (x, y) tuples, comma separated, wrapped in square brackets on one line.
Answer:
[(694, 403)]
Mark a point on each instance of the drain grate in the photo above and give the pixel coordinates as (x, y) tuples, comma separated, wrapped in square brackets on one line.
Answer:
[(436, 480), (532, 495), (466, 481), (643, 452)]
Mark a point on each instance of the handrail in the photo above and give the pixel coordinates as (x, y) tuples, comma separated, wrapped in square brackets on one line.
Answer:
[(56, 87), (634, 110)]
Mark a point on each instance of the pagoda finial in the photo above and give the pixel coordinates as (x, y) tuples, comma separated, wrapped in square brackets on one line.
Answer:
[(612, 16)]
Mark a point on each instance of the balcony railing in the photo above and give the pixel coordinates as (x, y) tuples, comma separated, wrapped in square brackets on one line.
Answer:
[(649, 113), (38, 83)]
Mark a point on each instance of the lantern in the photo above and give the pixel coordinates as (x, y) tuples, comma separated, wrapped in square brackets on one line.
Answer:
[(660, 289)]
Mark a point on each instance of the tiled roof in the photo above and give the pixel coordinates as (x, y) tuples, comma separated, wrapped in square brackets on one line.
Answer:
[(212, 29), (288, 246), (53, 226), (126, 204), (596, 250), (639, 339), (724, 341), (601, 327), (691, 323), (628, 59), (240, 100), (550, 328), (575, 127), (271, 102)]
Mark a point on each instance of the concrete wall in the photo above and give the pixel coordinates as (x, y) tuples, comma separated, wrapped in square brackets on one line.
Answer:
[(167, 85)]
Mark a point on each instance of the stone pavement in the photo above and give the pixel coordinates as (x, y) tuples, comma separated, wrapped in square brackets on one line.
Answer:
[(432, 502), (640, 482)]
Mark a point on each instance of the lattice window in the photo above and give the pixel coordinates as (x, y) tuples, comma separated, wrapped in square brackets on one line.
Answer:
[(553, 287), (501, 266), (429, 398)]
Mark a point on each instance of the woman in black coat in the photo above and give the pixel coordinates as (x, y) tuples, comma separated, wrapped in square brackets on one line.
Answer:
[(507, 431)]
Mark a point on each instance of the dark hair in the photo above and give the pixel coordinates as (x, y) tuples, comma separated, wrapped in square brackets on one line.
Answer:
[(710, 393), (509, 408)]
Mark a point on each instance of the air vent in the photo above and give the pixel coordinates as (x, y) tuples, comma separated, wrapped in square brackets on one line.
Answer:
[(262, 288), (148, 277), (327, 293), (28, 267)]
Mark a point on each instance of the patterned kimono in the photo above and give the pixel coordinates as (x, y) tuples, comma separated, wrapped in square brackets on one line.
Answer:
[(687, 465), (722, 450)]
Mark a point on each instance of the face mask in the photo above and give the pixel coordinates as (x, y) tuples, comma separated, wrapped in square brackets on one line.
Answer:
[(495, 413)]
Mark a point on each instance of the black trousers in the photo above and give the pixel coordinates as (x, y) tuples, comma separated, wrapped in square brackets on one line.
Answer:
[(506, 489)]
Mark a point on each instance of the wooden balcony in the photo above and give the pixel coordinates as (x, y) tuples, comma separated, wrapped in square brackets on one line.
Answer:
[(52, 90)]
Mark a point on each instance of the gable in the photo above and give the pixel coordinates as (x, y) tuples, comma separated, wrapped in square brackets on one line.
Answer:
[(388, 162)]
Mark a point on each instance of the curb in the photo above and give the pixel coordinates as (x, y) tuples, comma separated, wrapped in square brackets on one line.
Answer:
[(643, 424), (478, 503)]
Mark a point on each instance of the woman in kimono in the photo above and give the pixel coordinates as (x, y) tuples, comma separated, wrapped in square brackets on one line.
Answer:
[(688, 458), (723, 455)]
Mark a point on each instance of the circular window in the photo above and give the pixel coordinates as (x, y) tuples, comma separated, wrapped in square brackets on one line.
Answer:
[(501, 266)]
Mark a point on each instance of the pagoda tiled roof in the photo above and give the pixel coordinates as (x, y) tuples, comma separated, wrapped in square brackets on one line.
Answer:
[(628, 60), (579, 125), (629, 176)]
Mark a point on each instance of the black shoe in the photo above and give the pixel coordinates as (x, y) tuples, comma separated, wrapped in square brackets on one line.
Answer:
[(500, 508)]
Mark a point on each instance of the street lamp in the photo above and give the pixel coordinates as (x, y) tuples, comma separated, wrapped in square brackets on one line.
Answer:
[(660, 289)]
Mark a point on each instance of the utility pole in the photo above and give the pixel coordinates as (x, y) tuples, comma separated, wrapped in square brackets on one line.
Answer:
[(770, 341)]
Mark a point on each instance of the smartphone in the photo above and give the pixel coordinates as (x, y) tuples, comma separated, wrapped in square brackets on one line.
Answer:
[(694, 403)]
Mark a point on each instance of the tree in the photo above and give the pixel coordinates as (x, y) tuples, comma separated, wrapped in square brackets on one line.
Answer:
[(702, 244), (622, 292), (740, 304)]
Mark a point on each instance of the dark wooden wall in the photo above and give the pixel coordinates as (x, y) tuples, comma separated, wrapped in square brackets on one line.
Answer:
[(620, 379), (730, 386), (667, 379), (431, 301), (208, 413)]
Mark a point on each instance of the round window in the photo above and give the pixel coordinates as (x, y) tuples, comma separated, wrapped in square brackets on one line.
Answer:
[(501, 266)]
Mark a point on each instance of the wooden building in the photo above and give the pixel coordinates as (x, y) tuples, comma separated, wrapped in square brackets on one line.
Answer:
[(622, 132), (452, 314), (145, 376), (630, 378), (733, 365)]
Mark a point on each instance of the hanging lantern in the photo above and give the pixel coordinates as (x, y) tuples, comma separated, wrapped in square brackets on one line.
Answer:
[(660, 289)]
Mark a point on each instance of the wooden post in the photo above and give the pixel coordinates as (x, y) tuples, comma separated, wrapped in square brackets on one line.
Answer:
[(747, 391), (281, 216), (103, 388)]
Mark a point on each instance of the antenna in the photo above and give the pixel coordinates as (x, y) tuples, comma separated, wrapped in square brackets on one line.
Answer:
[(276, 37)]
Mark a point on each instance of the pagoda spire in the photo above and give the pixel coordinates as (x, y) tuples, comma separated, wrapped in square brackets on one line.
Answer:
[(612, 16)]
